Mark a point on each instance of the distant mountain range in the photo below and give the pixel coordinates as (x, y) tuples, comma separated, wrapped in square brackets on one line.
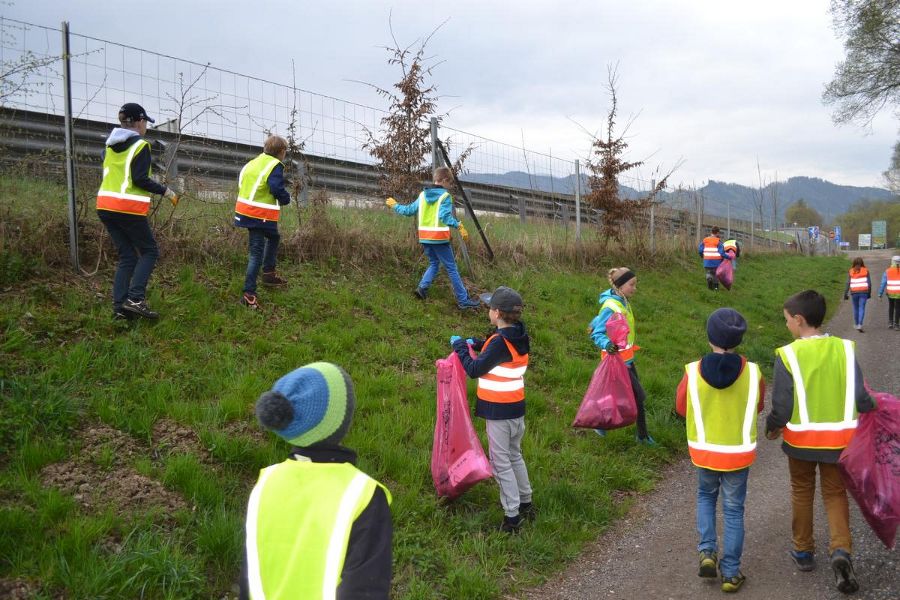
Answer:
[(829, 199)]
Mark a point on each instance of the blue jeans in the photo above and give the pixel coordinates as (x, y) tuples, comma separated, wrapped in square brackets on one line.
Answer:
[(734, 490), (442, 254), (263, 249), (138, 254), (859, 307)]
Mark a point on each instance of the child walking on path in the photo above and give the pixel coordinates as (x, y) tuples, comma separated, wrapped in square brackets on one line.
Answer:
[(261, 194), (859, 288), (500, 369), (818, 391), (615, 300), (434, 208), (890, 283), (720, 396)]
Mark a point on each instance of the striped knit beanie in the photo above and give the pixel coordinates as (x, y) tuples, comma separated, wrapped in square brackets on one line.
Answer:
[(310, 405)]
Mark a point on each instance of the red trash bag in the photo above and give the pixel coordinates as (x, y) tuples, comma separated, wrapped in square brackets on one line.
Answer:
[(609, 400), (725, 273), (870, 465), (457, 458)]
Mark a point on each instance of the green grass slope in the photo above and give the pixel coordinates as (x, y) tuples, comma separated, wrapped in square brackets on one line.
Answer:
[(69, 376)]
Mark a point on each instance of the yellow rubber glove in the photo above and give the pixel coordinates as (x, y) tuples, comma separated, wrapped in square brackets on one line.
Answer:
[(463, 233), (172, 196), (391, 202)]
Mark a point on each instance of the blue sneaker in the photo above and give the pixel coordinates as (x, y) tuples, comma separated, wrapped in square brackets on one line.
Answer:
[(469, 303), (647, 441), (805, 561), (600, 432)]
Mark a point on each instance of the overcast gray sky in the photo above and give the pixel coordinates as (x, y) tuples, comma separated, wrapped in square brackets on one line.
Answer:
[(717, 84)]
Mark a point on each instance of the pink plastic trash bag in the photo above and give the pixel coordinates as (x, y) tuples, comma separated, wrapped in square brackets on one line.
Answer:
[(609, 400), (870, 465), (457, 458), (617, 329), (725, 273)]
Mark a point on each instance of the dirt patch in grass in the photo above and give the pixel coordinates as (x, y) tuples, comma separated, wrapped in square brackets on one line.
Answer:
[(122, 489), (170, 438), (248, 429), (104, 445), (18, 589)]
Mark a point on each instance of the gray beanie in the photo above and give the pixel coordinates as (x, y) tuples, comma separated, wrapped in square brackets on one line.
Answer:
[(725, 328)]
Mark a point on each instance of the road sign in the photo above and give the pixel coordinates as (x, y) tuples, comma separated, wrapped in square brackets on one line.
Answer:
[(865, 241), (879, 234), (837, 234)]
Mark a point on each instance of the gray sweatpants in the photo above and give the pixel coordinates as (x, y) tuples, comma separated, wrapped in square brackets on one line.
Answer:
[(505, 448)]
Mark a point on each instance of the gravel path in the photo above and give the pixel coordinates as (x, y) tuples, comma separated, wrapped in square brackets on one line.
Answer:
[(651, 553)]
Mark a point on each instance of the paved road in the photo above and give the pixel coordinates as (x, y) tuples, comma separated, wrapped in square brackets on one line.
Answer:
[(652, 552)]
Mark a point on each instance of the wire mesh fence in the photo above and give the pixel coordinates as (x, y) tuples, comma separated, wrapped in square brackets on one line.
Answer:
[(210, 121)]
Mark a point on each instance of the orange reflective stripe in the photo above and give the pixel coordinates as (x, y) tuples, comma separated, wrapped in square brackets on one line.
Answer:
[(131, 207), (858, 282), (257, 212), (425, 234), (500, 389), (825, 440), (722, 461), (626, 354)]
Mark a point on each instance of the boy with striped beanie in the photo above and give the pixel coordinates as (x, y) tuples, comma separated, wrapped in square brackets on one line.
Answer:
[(316, 525)]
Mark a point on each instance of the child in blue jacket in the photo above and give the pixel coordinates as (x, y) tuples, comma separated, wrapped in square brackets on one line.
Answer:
[(434, 208)]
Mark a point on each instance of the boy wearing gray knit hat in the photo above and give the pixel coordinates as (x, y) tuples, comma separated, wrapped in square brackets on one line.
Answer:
[(720, 396), (316, 525)]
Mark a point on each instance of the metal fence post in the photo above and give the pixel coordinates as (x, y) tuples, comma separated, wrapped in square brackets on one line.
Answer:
[(70, 150), (577, 200), (435, 154), (652, 227), (523, 218)]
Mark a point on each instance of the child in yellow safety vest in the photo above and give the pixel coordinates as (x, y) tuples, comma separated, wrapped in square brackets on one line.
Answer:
[(720, 396), (500, 369), (890, 283), (434, 209), (317, 526), (817, 392), (623, 285)]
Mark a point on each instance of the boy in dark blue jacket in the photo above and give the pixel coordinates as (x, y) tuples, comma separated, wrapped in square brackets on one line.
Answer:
[(500, 368)]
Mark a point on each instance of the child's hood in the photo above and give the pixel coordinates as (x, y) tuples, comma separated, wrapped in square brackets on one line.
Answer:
[(119, 135), (721, 370), (517, 335), (604, 296), (433, 193)]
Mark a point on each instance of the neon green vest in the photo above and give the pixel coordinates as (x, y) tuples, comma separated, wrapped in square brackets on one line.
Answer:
[(721, 424), (255, 199), (117, 191), (431, 229), (616, 306), (824, 373), (298, 526)]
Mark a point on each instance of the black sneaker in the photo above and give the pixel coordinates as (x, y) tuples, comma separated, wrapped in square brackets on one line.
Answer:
[(421, 293), (121, 315), (527, 511), (805, 561), (844, 577), (140, 308), (709, 563), (511, 524)]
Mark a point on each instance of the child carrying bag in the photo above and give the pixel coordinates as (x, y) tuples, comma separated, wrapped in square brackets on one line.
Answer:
[(609, 400), (725, 272), (870, 466), (457, 458)]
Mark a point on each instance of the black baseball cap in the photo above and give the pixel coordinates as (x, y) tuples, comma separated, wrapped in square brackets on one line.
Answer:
[(505, 299), (133, 112)]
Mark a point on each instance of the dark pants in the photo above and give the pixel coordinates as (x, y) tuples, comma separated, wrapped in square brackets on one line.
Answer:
[(712, 282), (263, 249), (894, 311), (639, 396), (138, 254)]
